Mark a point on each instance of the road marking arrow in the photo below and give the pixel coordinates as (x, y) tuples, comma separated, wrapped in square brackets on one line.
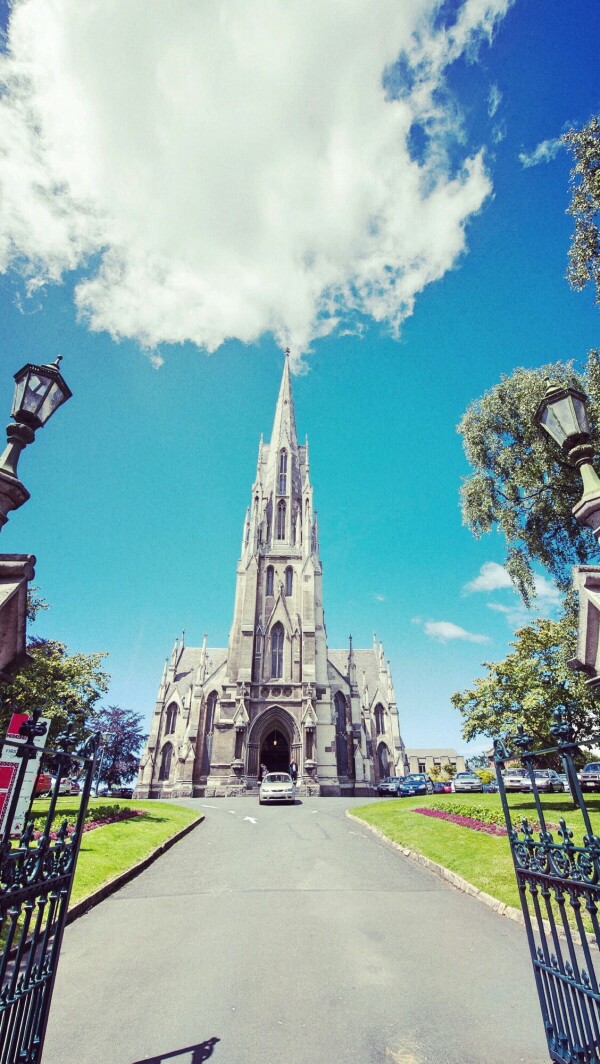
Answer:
[(251, 819)]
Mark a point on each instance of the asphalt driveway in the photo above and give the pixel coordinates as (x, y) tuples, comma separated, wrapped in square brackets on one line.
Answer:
[(291, 934)]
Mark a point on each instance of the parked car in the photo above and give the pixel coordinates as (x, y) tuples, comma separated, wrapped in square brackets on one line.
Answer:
[(415, 783), (66, 786), (513, 779), (390, 785), (442, 786), (590, 777), (546, 780), (43, 784), (563, 776), (467, 781), (277, 787)]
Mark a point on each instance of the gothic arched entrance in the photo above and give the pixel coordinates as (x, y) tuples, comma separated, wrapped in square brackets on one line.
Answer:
[(275, 751), (274, 738)]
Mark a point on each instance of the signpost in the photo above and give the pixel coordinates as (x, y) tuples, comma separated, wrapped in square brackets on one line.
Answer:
[(9, 766)]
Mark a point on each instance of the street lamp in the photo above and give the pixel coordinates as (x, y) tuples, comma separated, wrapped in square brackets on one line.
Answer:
[(39, 391), (562, 414)]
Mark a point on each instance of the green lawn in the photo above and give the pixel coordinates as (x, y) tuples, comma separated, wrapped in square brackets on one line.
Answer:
[(108, 851), (483, 860)]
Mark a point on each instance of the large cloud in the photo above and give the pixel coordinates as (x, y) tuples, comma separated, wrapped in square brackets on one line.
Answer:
[(222, 170)]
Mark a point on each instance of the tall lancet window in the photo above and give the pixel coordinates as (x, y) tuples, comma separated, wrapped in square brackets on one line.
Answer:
[(277, 651), (282, 472), (269, 587), (289, 580), (281, 519), (165, 762)]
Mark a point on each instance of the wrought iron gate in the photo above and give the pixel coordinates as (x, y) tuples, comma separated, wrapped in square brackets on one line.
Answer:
[(36, 876), (559, 887)]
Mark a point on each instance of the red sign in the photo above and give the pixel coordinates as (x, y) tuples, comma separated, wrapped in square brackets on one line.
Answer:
[(8, 774)]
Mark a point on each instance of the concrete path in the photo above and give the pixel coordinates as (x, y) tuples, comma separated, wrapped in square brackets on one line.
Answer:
[(291, 935)]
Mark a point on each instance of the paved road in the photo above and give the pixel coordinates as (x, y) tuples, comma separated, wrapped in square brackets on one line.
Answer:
[(299, 938)]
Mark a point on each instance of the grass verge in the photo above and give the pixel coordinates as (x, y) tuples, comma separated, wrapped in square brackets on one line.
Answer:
[(483, 860), (109, 851)]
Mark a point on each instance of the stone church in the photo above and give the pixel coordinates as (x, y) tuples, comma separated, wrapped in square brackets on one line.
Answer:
[(277, 692)]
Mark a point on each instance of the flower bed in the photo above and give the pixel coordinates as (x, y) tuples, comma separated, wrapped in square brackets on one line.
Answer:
[(463, 821), (97, 817), (490, 826)]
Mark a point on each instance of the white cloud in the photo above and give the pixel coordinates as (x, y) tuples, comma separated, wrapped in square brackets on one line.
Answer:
[(547, 593), (379, 598), (224, 170), (442, 631), (543, 153), (491, 577), (494, 100)]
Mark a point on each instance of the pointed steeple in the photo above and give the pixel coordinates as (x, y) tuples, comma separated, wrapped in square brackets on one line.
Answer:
[(284, 422)]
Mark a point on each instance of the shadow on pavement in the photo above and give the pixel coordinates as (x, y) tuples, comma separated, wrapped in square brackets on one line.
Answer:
[(202, 1051)]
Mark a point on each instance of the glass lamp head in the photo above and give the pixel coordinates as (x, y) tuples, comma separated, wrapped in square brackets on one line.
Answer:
[(562, 414), (39, 391)]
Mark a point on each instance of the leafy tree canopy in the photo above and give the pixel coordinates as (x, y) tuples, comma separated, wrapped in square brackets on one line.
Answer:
[(528, 684), (584, 253), (124, 737), (60, 683), (521, 483)]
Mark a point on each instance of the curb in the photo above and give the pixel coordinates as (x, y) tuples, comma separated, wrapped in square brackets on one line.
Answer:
[(83, 906), (455, 880)]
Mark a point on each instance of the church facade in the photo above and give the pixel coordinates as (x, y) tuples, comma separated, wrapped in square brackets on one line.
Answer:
[(277, 692)]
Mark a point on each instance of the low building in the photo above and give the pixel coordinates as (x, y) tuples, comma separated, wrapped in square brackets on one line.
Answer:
[(429, 760)]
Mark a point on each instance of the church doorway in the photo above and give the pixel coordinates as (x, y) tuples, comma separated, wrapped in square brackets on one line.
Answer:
[(275, 751)]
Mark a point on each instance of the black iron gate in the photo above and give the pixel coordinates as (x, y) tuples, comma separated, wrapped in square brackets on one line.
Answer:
[(36, 876), (559, 887)]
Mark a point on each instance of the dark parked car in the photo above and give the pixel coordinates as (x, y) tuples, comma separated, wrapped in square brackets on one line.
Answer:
[(390, 785), (415, 783), (442, 787), (590, 777), (120, 792)]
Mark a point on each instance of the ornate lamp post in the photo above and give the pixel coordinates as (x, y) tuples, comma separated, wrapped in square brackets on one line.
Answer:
[(39, 391), (562, 414)]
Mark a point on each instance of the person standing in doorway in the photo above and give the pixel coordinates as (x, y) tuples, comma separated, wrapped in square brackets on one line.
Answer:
[(293, 770), (263, 771)]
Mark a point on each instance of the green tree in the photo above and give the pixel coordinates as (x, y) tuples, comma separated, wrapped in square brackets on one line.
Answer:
[(584, 253), (450, 771), (528, 684), (520, 483), (124, 739), (436, 772), (57, 681), (485, 775)]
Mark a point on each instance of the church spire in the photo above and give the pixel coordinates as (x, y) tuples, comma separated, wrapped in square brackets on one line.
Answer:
[(284, 422)]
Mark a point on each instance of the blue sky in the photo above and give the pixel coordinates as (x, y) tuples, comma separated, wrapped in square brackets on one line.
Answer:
[(139, 485)]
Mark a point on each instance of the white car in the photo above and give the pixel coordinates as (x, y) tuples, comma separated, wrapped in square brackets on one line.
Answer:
[(277, 787)]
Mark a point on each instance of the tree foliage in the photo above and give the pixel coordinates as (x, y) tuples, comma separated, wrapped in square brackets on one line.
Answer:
[(521, 483), (124, 739), (62, 684), (528, 684), (584, 253)]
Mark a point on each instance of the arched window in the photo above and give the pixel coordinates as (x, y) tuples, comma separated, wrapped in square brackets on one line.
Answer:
[(379, 719), (277, 651), (165, 762), (270, 572), (341, 740), (289, 580), (171, 718), (282, 472), (281, 519), (211, 703)]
